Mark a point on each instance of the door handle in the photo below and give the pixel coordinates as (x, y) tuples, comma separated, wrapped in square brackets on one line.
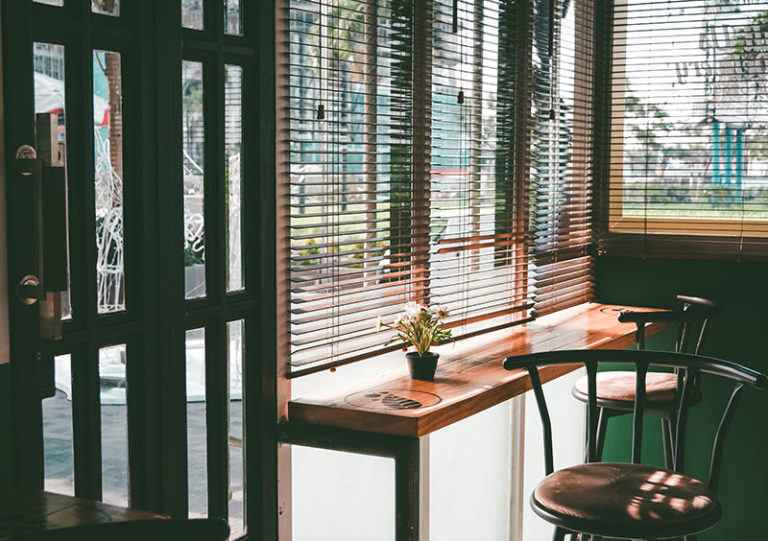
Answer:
[(54, 209), (45, 176)]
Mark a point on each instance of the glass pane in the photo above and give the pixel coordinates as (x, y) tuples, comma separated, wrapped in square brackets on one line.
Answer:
[(192, 14), (197, 469), (106, 7), (690, 128), (193, 130), (233, 134), (108, 180), (235, 354), (57, 431), (114, 425), (50, 98), (233, 18), (57, 3)]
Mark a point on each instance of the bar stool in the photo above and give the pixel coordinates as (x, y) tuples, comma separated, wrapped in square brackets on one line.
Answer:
[(632, 501), (616, 389)]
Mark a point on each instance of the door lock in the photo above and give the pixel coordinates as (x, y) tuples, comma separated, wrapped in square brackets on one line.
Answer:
[(30, 290), (26, 160)]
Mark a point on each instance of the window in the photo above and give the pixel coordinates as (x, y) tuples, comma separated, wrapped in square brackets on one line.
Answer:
[(688, 167), (561, 153), (410, 125)]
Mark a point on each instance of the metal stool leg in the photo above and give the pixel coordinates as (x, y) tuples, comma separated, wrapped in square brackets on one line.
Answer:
[(602, 427), (666, 438), (559, 535), (672, 431), (602, 423)]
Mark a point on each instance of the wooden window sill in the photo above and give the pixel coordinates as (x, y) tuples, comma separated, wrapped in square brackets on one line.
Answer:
[(470, 377)]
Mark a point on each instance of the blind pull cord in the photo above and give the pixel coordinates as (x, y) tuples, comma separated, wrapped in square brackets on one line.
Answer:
[(321, 38), (551, 36), (551, 52)]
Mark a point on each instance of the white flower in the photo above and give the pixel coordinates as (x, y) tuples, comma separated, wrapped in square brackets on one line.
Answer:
[(440, 312), (412, 310)]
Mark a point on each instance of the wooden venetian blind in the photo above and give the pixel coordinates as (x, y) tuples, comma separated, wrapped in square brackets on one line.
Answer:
[(689, 108), (478, 254), (561, 153), (402, 122)]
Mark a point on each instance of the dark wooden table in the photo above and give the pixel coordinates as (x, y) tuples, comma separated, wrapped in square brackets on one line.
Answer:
[(24, 512), (386, 417)]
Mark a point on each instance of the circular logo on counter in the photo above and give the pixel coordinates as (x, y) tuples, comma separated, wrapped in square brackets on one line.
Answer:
[(392, 399)]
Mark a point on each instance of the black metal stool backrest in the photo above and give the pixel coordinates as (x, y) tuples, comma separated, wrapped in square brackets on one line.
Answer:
[(693, 316), (692, 364), (692, 320)]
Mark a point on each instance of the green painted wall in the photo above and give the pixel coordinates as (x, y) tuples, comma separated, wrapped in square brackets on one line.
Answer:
[(739, 333), (6, 464)]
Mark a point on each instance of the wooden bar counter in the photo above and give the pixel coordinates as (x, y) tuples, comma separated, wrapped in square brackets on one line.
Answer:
[(469, 377), (387, 416)]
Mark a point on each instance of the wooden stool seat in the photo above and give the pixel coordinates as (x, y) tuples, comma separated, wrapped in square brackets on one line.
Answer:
[(613, 500), (620, 385)]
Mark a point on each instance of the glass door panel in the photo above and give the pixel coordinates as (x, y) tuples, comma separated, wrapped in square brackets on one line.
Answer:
[(57, 431), (108, 180), (197, 454), (233, 143), (192, 14), (106, 7), (114, 424), (233, 17), (235, 354), (193, 137)]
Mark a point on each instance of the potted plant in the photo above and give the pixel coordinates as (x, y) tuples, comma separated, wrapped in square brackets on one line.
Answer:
[(421, 327)]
